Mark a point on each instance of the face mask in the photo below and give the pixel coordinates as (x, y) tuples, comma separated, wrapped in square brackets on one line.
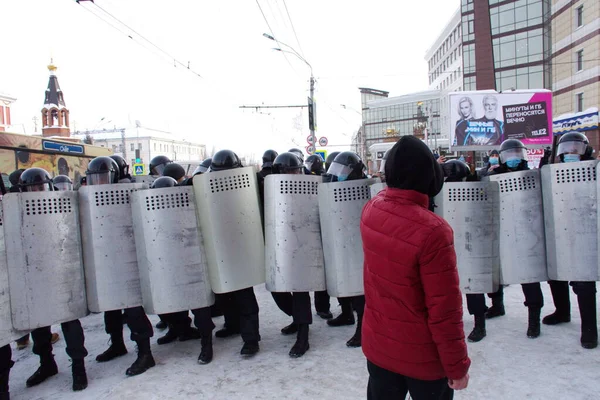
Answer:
[(342, 178), (514, 163), (571, 158), (494, 161)]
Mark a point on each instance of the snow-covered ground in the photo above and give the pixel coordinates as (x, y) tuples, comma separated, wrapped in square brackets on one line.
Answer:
[(506, 364)]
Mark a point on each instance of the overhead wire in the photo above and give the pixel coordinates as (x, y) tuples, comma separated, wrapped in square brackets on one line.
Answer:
[(293, 29)]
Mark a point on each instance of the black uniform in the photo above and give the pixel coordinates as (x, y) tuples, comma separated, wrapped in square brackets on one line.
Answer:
[(6, 364)]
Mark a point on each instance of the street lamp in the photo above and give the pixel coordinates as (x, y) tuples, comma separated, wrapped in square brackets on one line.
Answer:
[(311, 100)]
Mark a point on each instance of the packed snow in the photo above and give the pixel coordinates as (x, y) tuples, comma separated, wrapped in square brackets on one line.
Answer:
[(506, 364)]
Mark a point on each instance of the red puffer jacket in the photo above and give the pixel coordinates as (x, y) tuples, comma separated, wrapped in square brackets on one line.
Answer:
[(413, 315)]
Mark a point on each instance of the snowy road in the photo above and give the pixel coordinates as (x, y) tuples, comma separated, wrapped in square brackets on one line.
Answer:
[(506, 364)]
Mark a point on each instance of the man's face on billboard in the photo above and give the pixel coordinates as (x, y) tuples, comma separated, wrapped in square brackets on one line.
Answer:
[(490, 106)]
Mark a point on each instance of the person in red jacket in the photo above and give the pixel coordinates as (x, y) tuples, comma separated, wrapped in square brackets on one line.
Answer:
[(412, 333)]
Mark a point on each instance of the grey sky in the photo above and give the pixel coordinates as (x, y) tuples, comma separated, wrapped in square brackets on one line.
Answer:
[(103, 73)]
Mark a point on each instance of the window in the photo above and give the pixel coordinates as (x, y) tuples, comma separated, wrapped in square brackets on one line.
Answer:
[(139, 146), (154, 146), (580, 60), (579, 101), (131, 147), (579, 16)]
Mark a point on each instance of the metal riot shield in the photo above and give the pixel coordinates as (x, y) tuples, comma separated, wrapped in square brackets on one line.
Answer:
[(293, 247), (170, 252), (571, 220), (230, 221), (522, 238), (43, 252), (7, 333), (109, 253), (376, 188), (340, 208), (471, 209)]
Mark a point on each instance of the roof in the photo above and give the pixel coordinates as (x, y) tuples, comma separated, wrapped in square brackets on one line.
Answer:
[(134, 133), (407, 98), (54, 96), (373, 91)]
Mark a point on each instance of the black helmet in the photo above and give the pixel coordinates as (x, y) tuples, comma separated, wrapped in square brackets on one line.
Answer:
[(455, 170), (203, 167), (512, 150), (63, 182), (158, 163), (14, 176), (35, 180), (573, 143), (102, 170), (123, 166), (268, 157), (225, 159), (314, 164), (346, 166), (298, 153), (287, 163), (330, 159), (174, 170), (163, 182)]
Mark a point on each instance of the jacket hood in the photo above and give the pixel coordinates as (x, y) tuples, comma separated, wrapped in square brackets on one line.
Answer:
[(411, 166)]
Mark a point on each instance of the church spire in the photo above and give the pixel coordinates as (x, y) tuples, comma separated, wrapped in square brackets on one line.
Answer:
[(55, 115)]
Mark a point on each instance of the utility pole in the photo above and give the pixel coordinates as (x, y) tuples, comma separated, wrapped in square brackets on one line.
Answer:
[(312, 117)]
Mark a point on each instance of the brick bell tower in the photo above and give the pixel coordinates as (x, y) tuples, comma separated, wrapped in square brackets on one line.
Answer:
[(55, 115)]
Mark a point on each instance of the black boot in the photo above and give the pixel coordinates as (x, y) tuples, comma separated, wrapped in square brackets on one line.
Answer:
[(117, 349), (47, 369), (250, 348), (170, 337), (497, 308), (4, 393), (562, 302), (290, 329), (189, 333), (478, 332), (589, 326), (80, 381), (355, 341), (325, 314), (144, 361), (533, 328), (301, 346), (206, 353), (346, 317), (226, 332), (161, 325)]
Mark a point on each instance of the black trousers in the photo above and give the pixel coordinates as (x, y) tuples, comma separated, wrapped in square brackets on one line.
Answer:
[(6, 364), (387, 385), (137, 321), (74, 338), (322, 301), (356, 303), (585, 291), (180, 320), (240, 310), (532, 292), (296, 305)]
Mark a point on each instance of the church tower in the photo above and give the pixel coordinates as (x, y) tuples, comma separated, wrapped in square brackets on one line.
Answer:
[(55, 115)]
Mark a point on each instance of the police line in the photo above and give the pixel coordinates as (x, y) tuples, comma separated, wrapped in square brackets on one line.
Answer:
[(111, 247)]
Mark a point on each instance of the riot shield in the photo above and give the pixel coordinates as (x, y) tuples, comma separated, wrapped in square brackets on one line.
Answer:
[(376, 188), (230, 221), (109, 253), (43, 253), (340, 208), (570, 217), (170, 252), (471, 209), (293, 247), (522, 238), (7, 333)]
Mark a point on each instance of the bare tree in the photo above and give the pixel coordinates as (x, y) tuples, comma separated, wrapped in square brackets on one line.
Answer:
[(88, 139)]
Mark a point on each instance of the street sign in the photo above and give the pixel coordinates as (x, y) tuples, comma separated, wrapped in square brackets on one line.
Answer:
[(138, 169), (309, 140), (62, 147), (310, 149), (323, 141), (312, 114), (322, 153)]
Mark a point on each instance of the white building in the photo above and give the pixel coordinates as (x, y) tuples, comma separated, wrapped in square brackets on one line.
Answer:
[(444, 60), (149, 142), (5, 102)]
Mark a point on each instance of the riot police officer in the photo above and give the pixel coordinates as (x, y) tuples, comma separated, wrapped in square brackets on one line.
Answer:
[(175, 171), (348, 166), (240, 307), (296, 304), (62, 182), (36, 180), (124, 176), (314, 165), (573, 147), (158, 164), (300, 156), (103, 171), (513, 157)]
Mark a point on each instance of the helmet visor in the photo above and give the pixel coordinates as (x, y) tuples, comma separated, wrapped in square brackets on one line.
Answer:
[(298, 154), (571, 148), (159, 169), (513, 154), (100, 178), (340, 170), (64, 186), (202, 169), (37, 187), (308, 165), (382, 167)]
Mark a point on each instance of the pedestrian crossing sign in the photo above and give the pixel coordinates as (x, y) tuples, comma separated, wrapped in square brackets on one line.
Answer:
[(138, 169), (322, 153)]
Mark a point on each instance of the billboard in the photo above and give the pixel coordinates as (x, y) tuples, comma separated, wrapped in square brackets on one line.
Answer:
[(580, 122), (484, 119)]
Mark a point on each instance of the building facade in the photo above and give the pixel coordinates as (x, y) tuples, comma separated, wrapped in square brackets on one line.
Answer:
[(5, 103)]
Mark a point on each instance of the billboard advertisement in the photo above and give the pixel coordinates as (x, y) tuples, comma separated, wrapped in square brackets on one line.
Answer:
[(484, 119)]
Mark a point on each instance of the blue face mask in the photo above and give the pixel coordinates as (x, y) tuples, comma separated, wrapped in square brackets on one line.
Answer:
[(342, 178), (514, 163), (571, 158), (494, 161)]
